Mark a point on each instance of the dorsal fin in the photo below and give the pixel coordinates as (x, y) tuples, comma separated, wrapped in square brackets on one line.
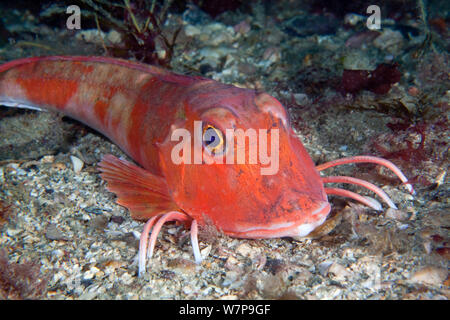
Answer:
[(142, 192), (159, 72)]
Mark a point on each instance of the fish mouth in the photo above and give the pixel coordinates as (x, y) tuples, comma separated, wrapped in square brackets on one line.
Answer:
[(286, 229)]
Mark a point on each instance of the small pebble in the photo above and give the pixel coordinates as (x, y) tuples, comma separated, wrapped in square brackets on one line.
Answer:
[(187, 290), (242, 28), (301, 98), (91, 36), (90, 273), (117, 219), (114, 37), (205, 251), (339, 271), (181, 265), (389, 40), (396, 214), (353, 19), (53, 233), (430, 275), (13, 232), (272, 54), (231, 263), (230, 278), (413, 91), (48, 159), (324, 267), (99, 222), (192, 31), (244, 249), (114, 264)]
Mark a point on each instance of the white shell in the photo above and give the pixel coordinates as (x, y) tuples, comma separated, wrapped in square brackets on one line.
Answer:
[(77, 164)]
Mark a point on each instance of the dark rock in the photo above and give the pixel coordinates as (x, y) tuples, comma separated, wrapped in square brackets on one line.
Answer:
[(378, 81), (274, 266), (117, 219), (195, 16), (303, 26)]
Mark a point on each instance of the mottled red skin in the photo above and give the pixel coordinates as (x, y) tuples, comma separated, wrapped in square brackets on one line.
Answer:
[(137, 106)]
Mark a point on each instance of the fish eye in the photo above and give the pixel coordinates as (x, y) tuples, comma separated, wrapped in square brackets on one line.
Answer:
[(213, 140)]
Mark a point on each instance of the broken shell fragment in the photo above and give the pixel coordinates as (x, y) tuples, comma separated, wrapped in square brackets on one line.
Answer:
[(77, 164)]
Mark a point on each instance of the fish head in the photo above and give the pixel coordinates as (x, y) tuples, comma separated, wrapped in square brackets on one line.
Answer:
[(236, 161)]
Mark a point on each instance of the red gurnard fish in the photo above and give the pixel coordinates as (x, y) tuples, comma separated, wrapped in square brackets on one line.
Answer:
[(140, 108)]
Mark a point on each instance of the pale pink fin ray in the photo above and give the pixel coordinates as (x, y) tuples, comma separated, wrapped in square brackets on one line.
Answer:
[(154, 225), (362, 183), (370, 202), (369, 159), (194, 241), (143, 242)]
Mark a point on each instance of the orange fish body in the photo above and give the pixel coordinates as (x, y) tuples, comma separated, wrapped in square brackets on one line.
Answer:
[(137, 106), (143, 109)]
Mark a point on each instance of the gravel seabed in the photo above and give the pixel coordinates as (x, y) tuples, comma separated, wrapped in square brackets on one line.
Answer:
[(86, 245)]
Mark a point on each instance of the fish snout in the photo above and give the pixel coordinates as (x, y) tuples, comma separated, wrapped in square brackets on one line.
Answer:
[(288, 215), (316, 216), (304, 213)]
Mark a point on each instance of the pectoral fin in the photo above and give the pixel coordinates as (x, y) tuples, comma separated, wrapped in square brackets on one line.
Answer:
[(142, 192)]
